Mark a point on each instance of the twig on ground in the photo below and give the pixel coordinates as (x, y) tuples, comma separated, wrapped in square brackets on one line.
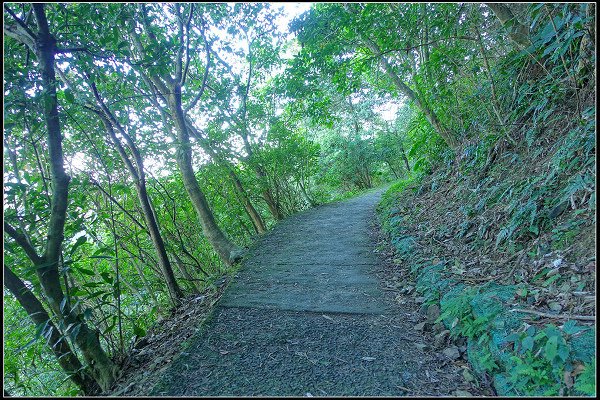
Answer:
[(556, 316), (403, 388)]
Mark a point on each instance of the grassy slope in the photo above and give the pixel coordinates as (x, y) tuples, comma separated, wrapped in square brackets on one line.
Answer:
[(509, 228)]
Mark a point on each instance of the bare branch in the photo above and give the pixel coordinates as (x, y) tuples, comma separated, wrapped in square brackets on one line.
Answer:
[(555, 316)]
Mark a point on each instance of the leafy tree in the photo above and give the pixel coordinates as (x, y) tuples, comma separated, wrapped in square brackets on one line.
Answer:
[(43, 45)]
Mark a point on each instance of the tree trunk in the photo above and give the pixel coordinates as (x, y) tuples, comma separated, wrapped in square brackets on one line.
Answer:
[(255, 217), (274, 208), (101, 366), (585, 67), (311, 202), (170, 90), (405, 159), (267, 195), (58, 344), (495, 103), (227, 250), (159, 244), (140, 187), (517, 32), (185, 273), (391, 167), (402, 87), (424, 49), (272, 204)]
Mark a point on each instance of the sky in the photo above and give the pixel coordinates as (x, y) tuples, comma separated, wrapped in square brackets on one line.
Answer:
[(291, 10)]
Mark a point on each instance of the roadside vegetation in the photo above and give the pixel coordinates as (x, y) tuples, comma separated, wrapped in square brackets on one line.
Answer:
[(146, 146)]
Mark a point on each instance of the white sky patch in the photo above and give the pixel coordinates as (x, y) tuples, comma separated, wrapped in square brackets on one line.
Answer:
[(77, 162), (388, 110), (290, 11)]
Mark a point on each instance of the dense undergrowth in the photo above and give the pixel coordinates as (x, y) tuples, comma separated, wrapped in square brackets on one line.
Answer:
[(502, 238), (500, 235)]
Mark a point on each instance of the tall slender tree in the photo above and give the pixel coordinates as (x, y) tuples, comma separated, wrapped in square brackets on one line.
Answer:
[(168, 88), (43, 45)]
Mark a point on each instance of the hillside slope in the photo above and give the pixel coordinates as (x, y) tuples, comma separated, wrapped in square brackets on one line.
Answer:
[(502, 239)]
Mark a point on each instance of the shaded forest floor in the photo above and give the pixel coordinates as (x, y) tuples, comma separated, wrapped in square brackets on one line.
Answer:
[(315, 310)]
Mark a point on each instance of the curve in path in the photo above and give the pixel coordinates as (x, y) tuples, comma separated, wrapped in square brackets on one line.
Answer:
[(306, 316)]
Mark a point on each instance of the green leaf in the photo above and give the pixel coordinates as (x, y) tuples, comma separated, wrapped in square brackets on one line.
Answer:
[(88, 313), (85, 271), (527, 344), (586, 381), (80, 240), (563, 352), (75, 331), (78, 292), (107, 257), (551, 348), (69, 96), (106, 277), (570, 327), (96, 294), (140, 332)]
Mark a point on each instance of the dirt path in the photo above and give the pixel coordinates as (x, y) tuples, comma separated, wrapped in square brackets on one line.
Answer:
[(307, 316)]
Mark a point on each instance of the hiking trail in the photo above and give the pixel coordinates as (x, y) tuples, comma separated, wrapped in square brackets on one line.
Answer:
[(306, 316)]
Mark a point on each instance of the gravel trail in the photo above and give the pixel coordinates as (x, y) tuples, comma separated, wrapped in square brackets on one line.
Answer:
[(306, 316)]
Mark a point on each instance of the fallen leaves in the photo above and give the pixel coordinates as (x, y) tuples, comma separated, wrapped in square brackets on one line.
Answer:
[(162, 344)]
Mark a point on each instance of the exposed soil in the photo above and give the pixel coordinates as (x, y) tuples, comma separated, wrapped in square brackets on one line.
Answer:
[(313, 311)]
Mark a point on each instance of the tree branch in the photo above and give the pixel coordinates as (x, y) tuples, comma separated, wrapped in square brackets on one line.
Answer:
[(133, 219), (22, 24), (23, 242), (16, 32), (179, 56), (205, 77), (187, 45), (555, 316)]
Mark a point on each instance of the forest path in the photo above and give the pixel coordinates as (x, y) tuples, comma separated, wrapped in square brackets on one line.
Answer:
[(306, 316)]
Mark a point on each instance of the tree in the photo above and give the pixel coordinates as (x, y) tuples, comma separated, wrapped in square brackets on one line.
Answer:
[(168, 88), (56, 341), (44, 46), (517, 32), (355, 35)]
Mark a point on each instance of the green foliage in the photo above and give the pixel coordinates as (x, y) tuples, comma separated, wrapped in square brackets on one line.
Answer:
[(458, 315), (25, 353), (304, 130), (585, 383), (542, 358)]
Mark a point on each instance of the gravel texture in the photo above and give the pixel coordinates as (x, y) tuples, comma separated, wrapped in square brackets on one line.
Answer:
[(307, 316)]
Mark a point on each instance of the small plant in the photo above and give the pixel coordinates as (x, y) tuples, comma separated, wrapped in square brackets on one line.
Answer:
[(542, 364), (585, 383), (457, 313)]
